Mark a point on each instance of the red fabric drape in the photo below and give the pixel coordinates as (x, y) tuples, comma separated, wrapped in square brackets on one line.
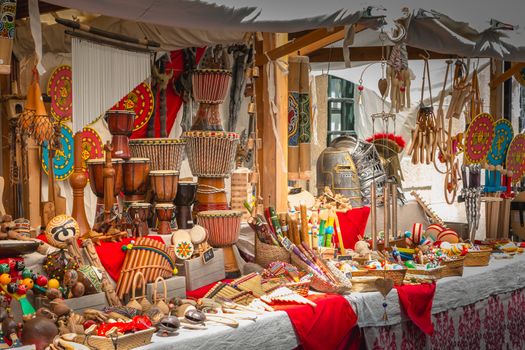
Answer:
[(173, 101), (353, 224), (416, 301)]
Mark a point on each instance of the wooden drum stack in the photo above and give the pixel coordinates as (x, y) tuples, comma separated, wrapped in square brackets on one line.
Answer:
[(223, 228), (164, 186), (96, 182), (120, 124)]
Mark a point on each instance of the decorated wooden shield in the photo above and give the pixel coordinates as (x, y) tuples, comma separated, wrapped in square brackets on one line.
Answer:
[(503, 134), (478, 138), (59, 88), (139, 100), (92, 147), (516, 157), (63, 160)]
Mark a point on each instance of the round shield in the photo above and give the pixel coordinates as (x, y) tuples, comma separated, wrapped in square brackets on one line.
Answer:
[(516, 157), (59, 88), (63, 159), (478, 138), (91, 147), (503, 134), (139, 100)]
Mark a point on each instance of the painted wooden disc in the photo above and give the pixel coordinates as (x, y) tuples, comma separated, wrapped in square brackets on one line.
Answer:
[(91, 147), (478, 138), (516, 157), (503, 134), (59, 88), (63, 160), (139, 100)]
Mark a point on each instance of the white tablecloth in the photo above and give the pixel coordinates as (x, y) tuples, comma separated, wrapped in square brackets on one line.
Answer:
[(274, 330)]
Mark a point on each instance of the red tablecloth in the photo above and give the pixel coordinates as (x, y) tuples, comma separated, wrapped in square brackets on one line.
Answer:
[(330, 325), (416, 300), (111, 254)]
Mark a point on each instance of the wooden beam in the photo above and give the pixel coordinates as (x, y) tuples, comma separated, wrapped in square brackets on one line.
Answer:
[(272, 175), (502, 77), (496, 89), (369, 53), (22, 8)]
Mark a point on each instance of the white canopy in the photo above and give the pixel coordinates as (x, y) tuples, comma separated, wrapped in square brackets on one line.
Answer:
[(450, 26)]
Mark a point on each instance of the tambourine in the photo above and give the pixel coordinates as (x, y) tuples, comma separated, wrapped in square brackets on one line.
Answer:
[(516, 157), (63, 160), (140, 100), (503, 134), (478, 138), (182, 244), (59, 88)]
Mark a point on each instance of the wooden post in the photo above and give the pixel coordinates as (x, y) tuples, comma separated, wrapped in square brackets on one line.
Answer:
[(272, 159), (78, 181), (496, 90)]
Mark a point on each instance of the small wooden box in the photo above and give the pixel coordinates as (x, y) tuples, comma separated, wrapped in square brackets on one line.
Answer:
[(95, 301), (199, 274), (176, 288)]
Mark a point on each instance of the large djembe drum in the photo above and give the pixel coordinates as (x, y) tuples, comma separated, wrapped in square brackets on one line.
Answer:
[(210, 87), (211, 156), (164, 185), (163, 153), (96, 180), (138, 216), (184, 199), (165, 213), (223, 228), (120, 125), (135, 179)]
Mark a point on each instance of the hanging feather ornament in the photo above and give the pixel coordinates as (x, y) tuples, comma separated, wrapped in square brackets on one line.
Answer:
[(399, 77)]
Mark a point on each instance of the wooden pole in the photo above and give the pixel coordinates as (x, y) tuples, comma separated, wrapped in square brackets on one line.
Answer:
[(78, 181)]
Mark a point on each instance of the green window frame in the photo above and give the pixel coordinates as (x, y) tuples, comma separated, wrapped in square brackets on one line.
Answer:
[(340, 104)]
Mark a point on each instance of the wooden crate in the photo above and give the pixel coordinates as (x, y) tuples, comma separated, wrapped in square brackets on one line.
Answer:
[(199, 274), (93, 301), (176, 288)]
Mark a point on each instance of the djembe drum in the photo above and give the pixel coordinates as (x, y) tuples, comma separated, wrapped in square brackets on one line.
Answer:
[(120, 124), (135, 179), (96, 180), (138, 215), (163, 153), (210, 87), (223, 228), (211, 156), (164, 185), (184, 199), (165, 213)]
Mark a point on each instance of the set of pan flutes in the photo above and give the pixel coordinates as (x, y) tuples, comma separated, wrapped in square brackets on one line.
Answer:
[(148, 256)]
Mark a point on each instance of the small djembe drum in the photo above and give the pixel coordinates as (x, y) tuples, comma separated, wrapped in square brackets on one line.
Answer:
[(165, 213), (135, 179), (210, 87), (184, 199), (211, 156), (120, 125), (96, 180), (223, 228), (164, 185), (163, 153), (138, 215)]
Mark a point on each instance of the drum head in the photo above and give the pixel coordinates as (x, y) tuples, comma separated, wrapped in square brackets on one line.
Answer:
[(163, 173), (198, 234), (220, 213)]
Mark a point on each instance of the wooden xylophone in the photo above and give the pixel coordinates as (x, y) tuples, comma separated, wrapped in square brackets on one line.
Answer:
[(149, 256)]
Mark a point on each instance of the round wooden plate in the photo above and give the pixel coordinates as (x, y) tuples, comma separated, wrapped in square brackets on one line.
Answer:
[(516, 157), (59, 88), (503, 134), (140, 100), (63, 160), (478, 138)]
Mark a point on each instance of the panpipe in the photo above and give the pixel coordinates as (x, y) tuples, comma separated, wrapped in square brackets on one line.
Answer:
[(227, 291), (148, 256), (164, 154)]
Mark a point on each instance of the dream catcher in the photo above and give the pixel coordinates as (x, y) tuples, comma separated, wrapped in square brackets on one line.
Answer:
[(478, 141), (397, 71)]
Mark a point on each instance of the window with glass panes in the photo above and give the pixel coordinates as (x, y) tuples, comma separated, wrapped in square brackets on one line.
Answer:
[(340, 108)]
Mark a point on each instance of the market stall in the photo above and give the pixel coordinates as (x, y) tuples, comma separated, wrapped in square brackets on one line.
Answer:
[(193, 188)]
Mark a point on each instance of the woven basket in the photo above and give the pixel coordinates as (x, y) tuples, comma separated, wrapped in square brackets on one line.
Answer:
[(124, 342), (318, 283), (396, 275), (453, 267), (364, 284), (436, 272), (478, 257), (267, 253)]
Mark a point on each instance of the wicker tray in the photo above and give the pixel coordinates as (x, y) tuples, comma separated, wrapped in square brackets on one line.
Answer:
[(435, 273), (363, 284), (267, 253), (478, 258), (396, 275), (125, 342), (453, 267), (317, 283)]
